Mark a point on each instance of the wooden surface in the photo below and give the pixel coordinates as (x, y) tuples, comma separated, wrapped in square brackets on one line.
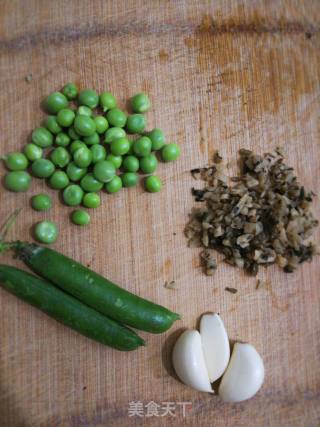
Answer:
[(221, 75)]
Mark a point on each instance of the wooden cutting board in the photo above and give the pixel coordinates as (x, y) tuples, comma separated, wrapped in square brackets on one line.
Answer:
[(221, 75)]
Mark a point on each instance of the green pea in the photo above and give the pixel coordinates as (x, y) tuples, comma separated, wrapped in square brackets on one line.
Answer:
[(148, 164), (17, 181), (170, 152), (130, 152), (41, 202), (142, 146), (55, 102), (88, 97), (136, 123), (73, 195), (16, 161), (84, 125), (153, 184), (62, 139), (75, 145), (98, 153), (91, 200), (116, 117), (70, 91), (42, 168), (104, 171), (46, 232), (74, 172), (73, 134), (101, 124), (80, 217), (140, 103), (129, 179), (115, 160), (119, 146), (130, 164), (52, 125), (114, 133), (157, 138), (60, 157), (65, 117), (58, 180), (42, 137), (114, 185), (85, 111), (82, 157), (90, 184), (107, 101), (32, 152), (92, 139)]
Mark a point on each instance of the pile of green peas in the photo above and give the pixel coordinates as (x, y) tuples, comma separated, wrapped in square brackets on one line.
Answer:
[(84, 149)]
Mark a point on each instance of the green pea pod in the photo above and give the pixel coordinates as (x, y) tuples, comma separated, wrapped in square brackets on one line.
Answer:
[(94, 290), (67, 309)]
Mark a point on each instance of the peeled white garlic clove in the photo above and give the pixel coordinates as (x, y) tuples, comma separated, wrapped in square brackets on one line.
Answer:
[(215, 344), (244, 375), (188, 361)]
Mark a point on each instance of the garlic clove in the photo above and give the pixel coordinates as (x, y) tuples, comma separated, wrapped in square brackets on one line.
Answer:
[(215, 344), (188, 361), (244, 375)]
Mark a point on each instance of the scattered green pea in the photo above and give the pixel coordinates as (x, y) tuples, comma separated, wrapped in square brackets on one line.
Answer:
[(32, 152), (148, 164), (116, 117), (62, 139), (119, 146), (136, 123), (142, 146), (92, 139), (91, 200), (107, 101), (98, 153), (70, 91), (101, 124), (130, 164), (74, 172), (73, 134), (85, 111), (157, 137), (73, 195), (65, 117), (115, 160), (42, 168), (58, 180), (42, 137), (114, 185), (140, 103), (82, 157), (41, 202), (80, 217), (16, 161), (55, 102), (17, 181), (153, 184), (90, 184), (75, 145), (52, 125), (46, 232), (129, 179), (88, 97), (104, 171), (60, 157), (170, 152), (114, 133), (84, 125)]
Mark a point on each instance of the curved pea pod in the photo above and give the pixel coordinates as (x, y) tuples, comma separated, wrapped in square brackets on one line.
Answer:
[(67, 310), (95, 290)]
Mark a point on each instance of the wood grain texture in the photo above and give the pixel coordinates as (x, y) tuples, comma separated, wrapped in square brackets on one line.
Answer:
[(221, 75)]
